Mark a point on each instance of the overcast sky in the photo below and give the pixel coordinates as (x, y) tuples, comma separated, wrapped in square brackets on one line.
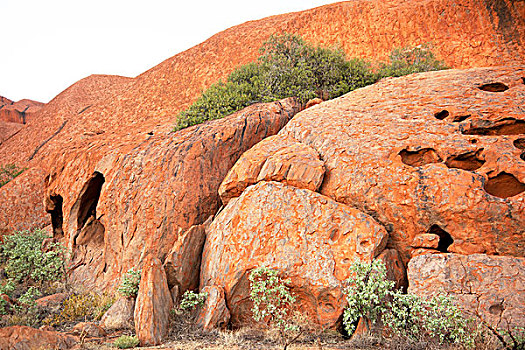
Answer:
[(47, 45)]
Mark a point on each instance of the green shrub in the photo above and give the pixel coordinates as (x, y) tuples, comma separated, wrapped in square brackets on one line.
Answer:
[(288, 67), (8, 172), (191, 300), (129, 286), (417, 318), (366, 293), (26, 261), (126, 342), (410, 60)]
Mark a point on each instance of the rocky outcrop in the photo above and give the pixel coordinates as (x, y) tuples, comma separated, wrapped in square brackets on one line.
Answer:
[(490, 287), (214, 313), (18, 112), (153, 305), (429, 154), (21, 202), (27, 338), (309, 238), (119, 315), (142, 202)]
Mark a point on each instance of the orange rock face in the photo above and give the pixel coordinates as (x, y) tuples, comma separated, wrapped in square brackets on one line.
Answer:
[(142, 202), (153, 304), (27, 338), (435, 153), (491, 286), (18, 112), (308, 237)]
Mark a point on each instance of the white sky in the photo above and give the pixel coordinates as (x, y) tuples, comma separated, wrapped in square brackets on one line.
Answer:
[(47, 45)]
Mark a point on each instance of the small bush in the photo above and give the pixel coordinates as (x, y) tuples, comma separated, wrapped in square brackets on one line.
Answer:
[(129, 286), (410, 60), (8, 172), (191, 300), (126, 342), (366, 293), (27, 261)]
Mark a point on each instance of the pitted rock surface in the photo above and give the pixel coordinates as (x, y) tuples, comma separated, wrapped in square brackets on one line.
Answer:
[(309, 238), (492, 287), (386, 153)]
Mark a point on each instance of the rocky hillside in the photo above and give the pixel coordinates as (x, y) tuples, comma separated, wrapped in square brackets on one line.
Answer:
[(14, 114), (425, 171)]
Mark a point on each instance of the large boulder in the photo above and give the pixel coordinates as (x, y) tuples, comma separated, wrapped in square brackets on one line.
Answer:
[(489, 287), (27, 338), (432, 154), (308, 237), (119, 315), (153, 304)]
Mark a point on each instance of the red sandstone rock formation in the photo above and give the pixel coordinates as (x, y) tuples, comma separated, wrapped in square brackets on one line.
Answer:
[(27, 338), (484, 285), (14, 114)]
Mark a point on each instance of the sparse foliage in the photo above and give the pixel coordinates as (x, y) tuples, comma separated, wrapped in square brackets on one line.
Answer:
[(129, 285), (8, 172), (190, 300), (126, 342), (410, 60)]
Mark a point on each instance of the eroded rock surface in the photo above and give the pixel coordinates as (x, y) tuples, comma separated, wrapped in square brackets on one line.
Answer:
[(27, 338), (119, 315), (489, 286), (308, 237), (153, 304), (386, 152), (214, 313)]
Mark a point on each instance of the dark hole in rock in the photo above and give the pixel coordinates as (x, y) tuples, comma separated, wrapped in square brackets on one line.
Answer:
[(442, 115), (504, 185), (494, 87), (473, 141), (57, 218), (86, 205), (519, 143), (508, 126), (522, 156), (150, 133), (466, 161), (419, 158), (460, 118), (445, 239), (341, 328), (496, 309), (523, 80)]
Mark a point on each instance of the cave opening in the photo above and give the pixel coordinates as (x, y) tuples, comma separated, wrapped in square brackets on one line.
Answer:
[(445, 239)]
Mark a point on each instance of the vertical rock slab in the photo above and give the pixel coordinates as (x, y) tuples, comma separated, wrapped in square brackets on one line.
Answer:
[(492, 287), (214, 314), (307, 237), (153, 304)]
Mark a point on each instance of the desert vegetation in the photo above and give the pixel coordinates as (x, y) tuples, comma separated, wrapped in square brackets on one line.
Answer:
[(291, 67), (8, 172)]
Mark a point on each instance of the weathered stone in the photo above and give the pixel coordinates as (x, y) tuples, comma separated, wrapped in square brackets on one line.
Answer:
[(313, 102), (88, 330), (53, 301), (389, 151), (119, 315), (426, 240), (274, 159), (214, 314), (153, 305), (27, 338), (22, 196), (308, 237), (395, 269), (491, 286), (183, 262), (19, 112)]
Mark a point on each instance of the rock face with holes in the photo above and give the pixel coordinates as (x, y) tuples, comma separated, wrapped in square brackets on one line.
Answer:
[(437, 153), (432, 158), (490, 286), (308, 237)]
